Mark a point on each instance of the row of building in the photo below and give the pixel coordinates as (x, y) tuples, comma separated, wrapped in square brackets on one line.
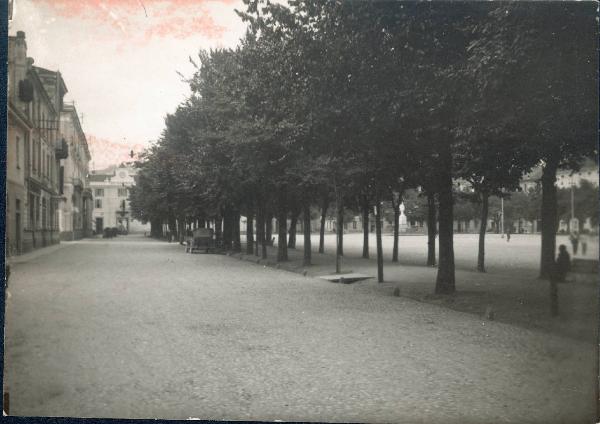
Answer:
[(47, 196), (50, 194)]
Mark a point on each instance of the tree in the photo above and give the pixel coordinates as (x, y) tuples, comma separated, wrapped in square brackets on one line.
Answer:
[(546, 56)]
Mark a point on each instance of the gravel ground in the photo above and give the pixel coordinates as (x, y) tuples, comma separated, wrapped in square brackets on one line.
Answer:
[(133, 328), (520, 255), (511, 287)]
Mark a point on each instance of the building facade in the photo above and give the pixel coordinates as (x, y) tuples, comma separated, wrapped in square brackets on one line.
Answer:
[(47, 194), (34, 151), (20, 126), (110, 189), (76, 204)]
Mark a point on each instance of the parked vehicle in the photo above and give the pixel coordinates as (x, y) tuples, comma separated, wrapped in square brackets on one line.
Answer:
[(202, 239)]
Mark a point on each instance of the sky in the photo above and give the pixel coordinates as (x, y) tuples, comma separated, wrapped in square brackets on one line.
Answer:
[(120, 60)]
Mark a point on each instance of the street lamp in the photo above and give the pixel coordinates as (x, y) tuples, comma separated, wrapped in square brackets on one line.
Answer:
[(502, 217)]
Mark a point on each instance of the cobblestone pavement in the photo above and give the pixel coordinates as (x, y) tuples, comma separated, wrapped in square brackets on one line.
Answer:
[(137, 328)]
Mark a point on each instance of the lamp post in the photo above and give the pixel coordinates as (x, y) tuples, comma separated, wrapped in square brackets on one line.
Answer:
[(572, 201), (502, 217)]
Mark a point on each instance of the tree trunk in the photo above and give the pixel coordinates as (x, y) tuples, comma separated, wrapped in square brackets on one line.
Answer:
[(269, 228), (365, 222), (292, 232), (260, 229), (431, 228), (339, 232), (261, 232), (379, 242), (156, 228), (227, 229), (396, 229), (218, 230), (249, 233), (324, 208), (237, 242), (445, 282), (282, 230), (306, 232), (172, 225), (181, 230), (482, 228), (549, 219)]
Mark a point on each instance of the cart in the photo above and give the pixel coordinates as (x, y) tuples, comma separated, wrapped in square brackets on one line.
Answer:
[(202, 239)]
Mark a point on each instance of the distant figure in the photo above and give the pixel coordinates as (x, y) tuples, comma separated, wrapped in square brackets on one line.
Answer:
[(584, 242), (563, 263), (507, 234), (574, 238)]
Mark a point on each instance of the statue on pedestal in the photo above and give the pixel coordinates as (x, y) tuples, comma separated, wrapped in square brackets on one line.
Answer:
[(403, 224)]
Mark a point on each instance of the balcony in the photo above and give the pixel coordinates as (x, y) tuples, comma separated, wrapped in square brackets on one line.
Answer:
[(62, 149)]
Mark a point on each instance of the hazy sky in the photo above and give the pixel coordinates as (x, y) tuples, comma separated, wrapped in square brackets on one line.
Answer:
[(119, 57)]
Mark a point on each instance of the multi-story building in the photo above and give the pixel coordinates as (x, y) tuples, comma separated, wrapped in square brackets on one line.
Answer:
[(75, 209), (20, 125), (34, 151), (110, 189)]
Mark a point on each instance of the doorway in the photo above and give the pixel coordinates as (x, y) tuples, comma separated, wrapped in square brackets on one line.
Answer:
[(99, 225)]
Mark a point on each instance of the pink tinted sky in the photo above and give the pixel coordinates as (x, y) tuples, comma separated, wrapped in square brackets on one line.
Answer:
[(120, 58)]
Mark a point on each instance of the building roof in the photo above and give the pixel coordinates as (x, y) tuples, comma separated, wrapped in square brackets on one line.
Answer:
[(41, 88), (70, 108), (55, 75), (98, 178)]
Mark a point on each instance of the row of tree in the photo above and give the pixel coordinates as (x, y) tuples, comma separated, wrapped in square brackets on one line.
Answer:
[(351, 103)]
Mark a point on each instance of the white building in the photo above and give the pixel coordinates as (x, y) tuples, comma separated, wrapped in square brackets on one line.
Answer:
[(110, 188), (75, 209)]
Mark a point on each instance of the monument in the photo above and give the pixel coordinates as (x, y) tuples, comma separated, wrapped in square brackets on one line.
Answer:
[(403, 224)]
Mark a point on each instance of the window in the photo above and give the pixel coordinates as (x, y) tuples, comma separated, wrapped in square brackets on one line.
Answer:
[(99, 192), (18, 151), (122, 192), (39, 156), (34, 152), (98, 203), (61, 180)]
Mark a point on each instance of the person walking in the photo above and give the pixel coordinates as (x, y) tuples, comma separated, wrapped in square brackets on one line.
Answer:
[(574, 238), (563, 264), (583, 240), (508, 233)]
